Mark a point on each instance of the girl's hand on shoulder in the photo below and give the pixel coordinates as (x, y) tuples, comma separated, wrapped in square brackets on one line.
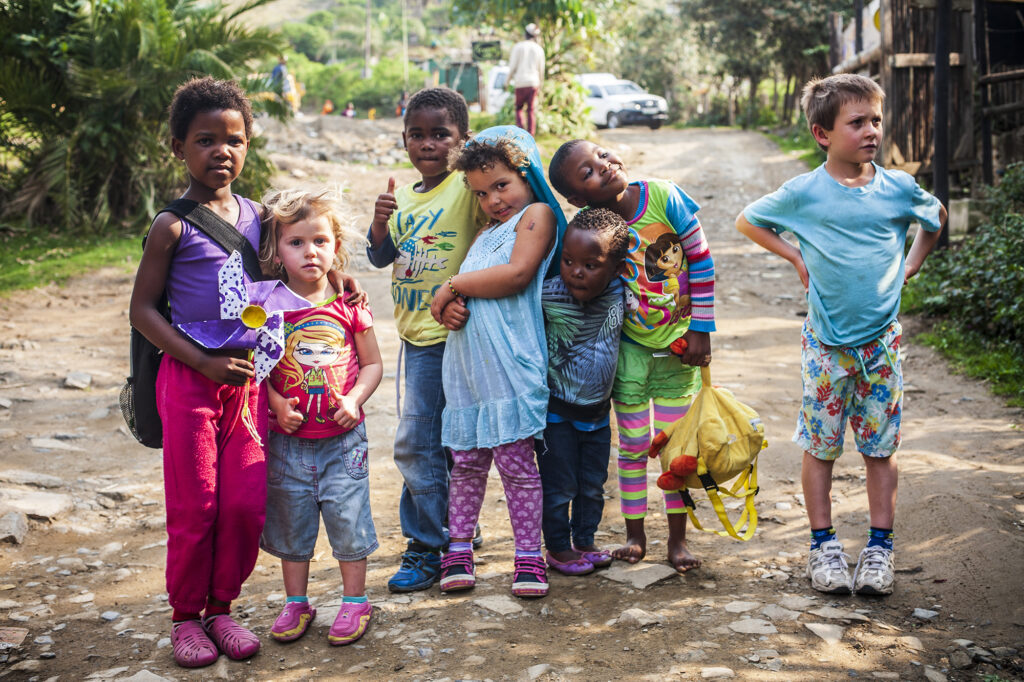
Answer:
[(227, 370), (347, 415), (455, 314), (345, 283)]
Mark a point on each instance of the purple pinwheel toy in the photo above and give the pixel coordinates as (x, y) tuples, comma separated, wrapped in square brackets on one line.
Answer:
[(251, 316)]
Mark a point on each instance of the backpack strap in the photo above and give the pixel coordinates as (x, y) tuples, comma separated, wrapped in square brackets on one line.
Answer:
[(219, 230)]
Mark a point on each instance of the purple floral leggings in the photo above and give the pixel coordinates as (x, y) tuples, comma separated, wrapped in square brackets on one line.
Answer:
[(518, 469)]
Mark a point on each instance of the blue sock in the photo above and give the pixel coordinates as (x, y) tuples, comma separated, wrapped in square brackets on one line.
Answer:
[(880, 537), (303, 599), (822, 535), (523, 553), (460, 547), (354, 600)]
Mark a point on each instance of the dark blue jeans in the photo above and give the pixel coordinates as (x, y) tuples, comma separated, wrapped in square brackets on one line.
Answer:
[(573, 469), (421, 459)]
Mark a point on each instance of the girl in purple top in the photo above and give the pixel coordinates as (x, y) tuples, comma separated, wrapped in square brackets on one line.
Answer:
[(214, 468)]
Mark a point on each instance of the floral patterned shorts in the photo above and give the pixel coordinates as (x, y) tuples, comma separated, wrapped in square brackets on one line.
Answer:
[(862, 384)]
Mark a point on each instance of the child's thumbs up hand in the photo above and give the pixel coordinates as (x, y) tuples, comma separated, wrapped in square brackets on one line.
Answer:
[(288, 417), (347, 415), (385, 206)]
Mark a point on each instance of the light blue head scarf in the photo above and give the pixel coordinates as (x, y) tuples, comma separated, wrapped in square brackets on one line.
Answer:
[(534, 177)]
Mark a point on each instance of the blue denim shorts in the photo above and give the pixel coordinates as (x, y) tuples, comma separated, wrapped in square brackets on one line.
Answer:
[(307, 477)]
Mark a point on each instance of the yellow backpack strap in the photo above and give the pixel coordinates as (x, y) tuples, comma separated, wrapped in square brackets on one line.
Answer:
[(749, 515), (690, 506)]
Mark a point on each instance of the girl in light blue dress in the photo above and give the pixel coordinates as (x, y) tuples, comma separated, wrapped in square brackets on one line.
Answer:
[(494, 368)]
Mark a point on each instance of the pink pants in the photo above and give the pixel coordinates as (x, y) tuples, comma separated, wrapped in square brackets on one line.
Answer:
[(526, 100), (215, 484)]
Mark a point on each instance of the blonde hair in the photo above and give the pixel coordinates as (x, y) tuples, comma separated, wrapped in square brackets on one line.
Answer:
[(290, 206), (313, 329), (823, 97)]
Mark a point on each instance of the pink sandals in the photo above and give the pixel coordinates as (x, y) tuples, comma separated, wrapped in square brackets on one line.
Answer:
[(601, 558), (575, 567), (236, 642), (191, 646)]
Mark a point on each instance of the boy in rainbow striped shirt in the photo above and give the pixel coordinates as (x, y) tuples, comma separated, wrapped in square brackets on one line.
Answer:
[(669, 314)]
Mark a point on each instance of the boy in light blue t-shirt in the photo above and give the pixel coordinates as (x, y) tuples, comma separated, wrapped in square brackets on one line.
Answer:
[(850, 217)]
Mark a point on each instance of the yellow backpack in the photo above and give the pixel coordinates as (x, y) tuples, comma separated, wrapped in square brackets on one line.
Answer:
[(718, 439)]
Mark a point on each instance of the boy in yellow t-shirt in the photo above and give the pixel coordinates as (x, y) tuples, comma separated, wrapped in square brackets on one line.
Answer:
[(424, 230)]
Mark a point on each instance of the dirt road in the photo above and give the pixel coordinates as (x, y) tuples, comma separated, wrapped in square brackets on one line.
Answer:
[(88, 584)]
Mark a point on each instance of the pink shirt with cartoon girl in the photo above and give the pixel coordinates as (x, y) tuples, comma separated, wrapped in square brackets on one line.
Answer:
[(319, 355)]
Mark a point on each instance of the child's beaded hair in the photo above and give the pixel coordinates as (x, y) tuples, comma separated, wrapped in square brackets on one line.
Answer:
[(823, 97), (290, 206), (556, 172), (200, 95), (609, 224), (478, 155), (441, 98)]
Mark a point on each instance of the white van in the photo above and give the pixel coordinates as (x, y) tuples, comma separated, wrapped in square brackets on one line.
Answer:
[(614, 102), (496, 89)]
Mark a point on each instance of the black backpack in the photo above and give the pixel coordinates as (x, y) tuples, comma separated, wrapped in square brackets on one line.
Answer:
[(138, 395)]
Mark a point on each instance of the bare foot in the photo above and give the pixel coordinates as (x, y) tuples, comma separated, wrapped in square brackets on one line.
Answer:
[(635, 548), (678, 553), (680, 558)]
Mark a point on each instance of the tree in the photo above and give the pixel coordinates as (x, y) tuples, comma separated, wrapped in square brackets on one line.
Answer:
[(569, 29), (84, 89)]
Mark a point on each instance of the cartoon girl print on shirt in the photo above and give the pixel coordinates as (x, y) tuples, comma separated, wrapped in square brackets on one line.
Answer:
[(315, 359), (665, 261), (657, 272)]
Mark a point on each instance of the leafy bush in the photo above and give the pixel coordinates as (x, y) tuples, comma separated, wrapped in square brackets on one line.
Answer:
[(84, 89), (343, 82), (975, 290), (979, 284), (562, 112)]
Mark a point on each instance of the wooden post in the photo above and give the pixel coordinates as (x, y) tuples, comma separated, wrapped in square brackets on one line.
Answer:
[(858, 26), (940, 127), (835, 32), (885, 75), (981, 57)]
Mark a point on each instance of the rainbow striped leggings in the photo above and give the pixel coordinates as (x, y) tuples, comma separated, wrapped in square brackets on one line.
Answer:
[(634, 424)]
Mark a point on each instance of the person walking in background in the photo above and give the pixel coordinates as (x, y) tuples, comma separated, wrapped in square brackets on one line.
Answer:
[(526, 73), (278, 75)]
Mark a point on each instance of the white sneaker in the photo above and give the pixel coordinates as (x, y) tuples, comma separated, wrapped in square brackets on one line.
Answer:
[(875, 572), (828, 570)]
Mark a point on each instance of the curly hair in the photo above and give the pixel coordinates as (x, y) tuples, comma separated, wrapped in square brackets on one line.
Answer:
[(556, 170), (200, 95), (440, 98), (609, 224), (822, 98), (483, 155), (289, 206)]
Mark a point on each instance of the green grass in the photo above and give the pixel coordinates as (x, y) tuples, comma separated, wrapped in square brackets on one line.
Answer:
[(799, 142), (29, 260), (1001, 364)]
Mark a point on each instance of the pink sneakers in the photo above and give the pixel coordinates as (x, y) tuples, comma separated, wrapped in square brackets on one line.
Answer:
[(351, 624), (236, 642), (293, 622), (530, 577)]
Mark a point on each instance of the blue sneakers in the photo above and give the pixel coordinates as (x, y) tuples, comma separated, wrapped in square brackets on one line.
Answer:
[(419, 571)]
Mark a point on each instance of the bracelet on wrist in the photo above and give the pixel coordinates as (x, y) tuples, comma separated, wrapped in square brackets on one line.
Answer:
[(452, 286)]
